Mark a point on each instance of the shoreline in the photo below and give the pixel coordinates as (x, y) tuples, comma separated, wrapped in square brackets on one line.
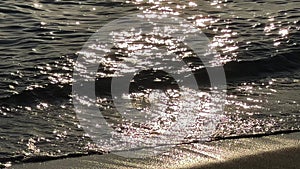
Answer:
[(275, 151)]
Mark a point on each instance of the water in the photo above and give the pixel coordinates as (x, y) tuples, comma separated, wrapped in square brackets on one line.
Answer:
[(258, 42)]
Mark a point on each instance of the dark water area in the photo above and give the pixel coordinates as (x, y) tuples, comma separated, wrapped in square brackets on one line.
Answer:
[(258, 43)]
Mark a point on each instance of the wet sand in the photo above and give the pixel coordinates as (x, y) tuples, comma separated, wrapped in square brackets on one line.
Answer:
[(269, 152), (287, 158)]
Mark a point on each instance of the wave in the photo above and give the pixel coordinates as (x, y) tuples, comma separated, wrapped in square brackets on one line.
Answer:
[(243, 71), (256, 135), (286, 62), (51, 93), (42, 158), (235, 71)]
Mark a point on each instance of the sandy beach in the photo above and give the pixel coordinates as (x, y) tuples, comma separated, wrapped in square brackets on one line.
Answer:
[(269, 152)]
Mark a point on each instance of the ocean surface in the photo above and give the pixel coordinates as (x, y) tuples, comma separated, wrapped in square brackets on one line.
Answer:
[(258, 42)]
